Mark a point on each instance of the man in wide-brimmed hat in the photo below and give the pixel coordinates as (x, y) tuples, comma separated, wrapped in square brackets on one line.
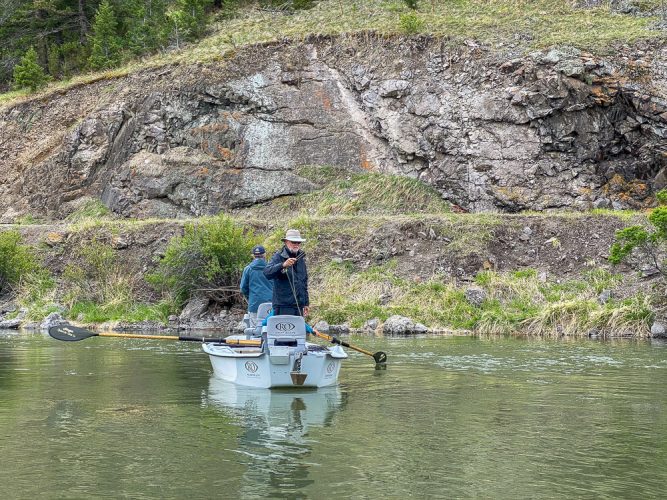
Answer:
[(254, 285), (289, 273)]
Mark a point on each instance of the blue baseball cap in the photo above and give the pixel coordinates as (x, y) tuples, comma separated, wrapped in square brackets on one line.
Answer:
[(258, 250)]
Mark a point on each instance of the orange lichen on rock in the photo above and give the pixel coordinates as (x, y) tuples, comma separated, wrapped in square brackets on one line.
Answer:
[(225, 153), (326, 100), (365, 163)]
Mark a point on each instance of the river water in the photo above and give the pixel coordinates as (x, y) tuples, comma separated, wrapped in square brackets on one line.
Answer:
[(450, 417)]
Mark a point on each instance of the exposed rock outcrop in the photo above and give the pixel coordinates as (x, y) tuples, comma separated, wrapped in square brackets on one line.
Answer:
[(553, 129)]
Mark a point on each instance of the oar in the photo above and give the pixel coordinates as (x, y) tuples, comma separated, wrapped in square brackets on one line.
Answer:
[(74, 333), (379, 357)]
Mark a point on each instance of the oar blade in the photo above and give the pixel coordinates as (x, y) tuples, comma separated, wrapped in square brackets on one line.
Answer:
[(380, 358), (70, 333)]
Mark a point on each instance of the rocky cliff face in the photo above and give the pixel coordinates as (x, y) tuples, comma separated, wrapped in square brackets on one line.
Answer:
[(553, 129)]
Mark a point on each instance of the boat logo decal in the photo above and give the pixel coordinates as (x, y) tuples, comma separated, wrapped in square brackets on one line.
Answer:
[(330, 367), (285, 327), (251, 366)]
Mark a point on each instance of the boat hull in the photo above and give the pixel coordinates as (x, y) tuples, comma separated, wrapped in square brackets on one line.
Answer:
[(269, 368)]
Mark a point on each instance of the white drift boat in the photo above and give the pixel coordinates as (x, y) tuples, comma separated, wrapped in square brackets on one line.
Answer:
[(282, 359), (276, 355)]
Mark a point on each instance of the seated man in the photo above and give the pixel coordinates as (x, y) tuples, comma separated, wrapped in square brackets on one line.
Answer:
[(254, 285)]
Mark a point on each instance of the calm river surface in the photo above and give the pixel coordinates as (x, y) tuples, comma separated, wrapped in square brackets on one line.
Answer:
[(451, 417)]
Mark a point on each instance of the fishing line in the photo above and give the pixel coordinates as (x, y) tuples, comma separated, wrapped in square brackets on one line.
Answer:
[(291, 283)]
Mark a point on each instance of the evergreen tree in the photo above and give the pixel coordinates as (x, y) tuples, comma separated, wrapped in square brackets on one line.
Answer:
[(147, 27), (74, 57), (28, 73), (106, 45), (71, 36), (54, 60), (187, 20), (178, 29)]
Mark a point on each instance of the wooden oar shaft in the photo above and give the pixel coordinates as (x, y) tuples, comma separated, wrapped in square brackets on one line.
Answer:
[(255, 343), (334, 340), (138, 336)]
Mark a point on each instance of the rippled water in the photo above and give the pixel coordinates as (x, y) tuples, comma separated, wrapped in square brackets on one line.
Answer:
[(449, 418)]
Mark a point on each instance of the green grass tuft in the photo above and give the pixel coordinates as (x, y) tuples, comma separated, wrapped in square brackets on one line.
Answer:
[(91, 210), (344, 193)]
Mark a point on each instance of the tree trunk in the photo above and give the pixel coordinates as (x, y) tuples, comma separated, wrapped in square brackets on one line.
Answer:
[(83, 22), (41, 41)]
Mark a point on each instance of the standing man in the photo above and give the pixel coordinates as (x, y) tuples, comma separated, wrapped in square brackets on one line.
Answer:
[(254, 285), (288, 271)]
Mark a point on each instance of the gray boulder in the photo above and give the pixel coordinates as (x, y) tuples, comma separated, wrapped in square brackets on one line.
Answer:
[(194, 309), (10, 324), (475, 296), (400, 325), (53, 319), (604, 297), (343, 329), (371, 325), (659, 330), (322, 326)]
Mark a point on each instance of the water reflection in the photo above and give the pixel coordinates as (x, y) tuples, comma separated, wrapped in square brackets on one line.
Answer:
[(449, 418), (275, 443)]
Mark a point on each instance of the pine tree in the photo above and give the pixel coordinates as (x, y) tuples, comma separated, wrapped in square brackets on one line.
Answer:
[(146, 25), (28, 73), (74, 58), (106, 45), (54, 60), (178, 26), (187, 19)]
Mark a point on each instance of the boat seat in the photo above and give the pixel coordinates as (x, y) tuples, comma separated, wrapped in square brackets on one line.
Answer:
[(286, 330), (262, 312)]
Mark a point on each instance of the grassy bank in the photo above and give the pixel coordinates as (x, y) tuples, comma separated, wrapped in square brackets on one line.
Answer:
[(522, 25), (377, 246), (97, 285), (519, 302)]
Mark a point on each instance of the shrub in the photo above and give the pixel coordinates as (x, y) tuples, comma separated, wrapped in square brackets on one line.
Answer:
[(53, 60), (74, 57), (648, 244), (98, 277), (410, 23), (661, 197), (28, 73), (303, 4), (208, 260), (16, 261), (36, 294), (100, 287)]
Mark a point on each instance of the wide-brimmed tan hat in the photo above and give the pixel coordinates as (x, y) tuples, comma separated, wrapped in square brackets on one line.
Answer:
[(293, 235)]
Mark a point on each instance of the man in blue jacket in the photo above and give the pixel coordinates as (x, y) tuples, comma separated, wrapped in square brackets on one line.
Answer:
[(254, 285), (289, 273)]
